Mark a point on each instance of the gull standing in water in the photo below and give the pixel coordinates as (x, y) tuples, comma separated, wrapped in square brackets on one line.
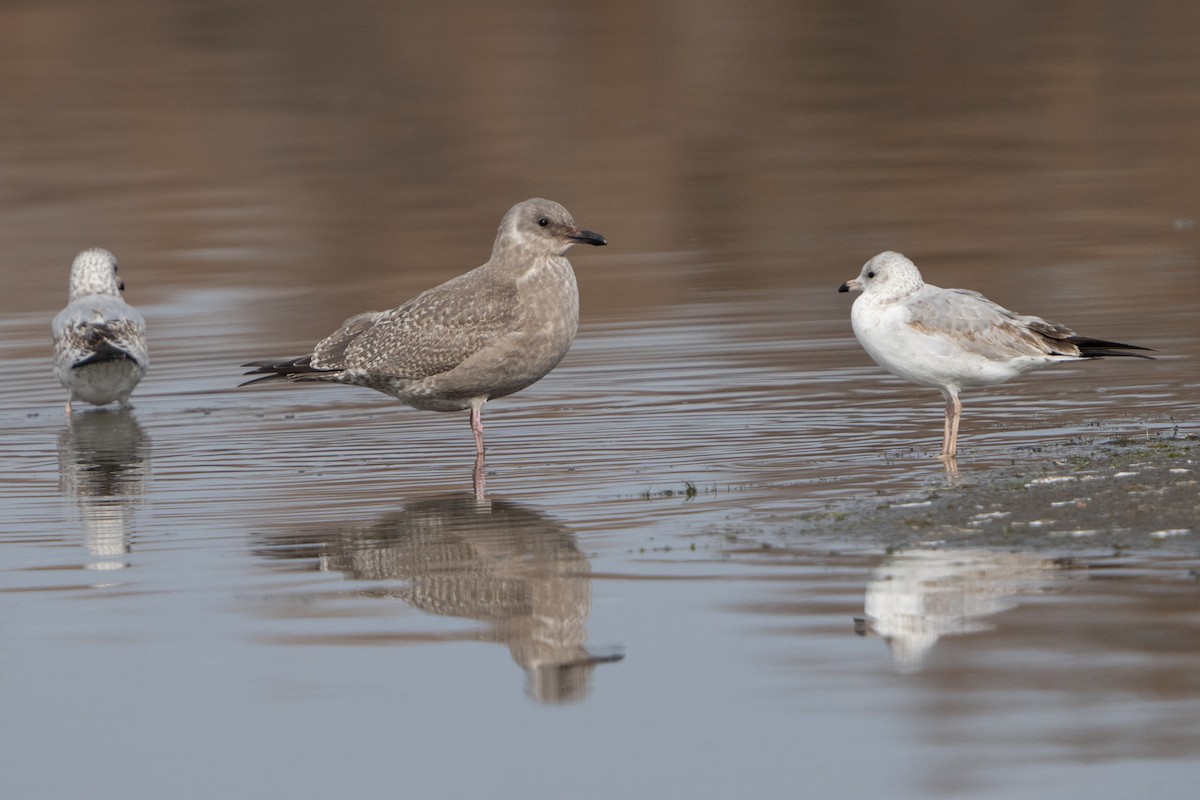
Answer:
[(485, 334), (99, 339), (950, 339)]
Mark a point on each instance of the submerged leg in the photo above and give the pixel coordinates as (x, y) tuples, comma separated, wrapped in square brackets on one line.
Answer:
[(950, 432), (479, 479)]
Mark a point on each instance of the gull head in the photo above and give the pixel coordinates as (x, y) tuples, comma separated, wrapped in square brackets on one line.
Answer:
[(94, 271), (887, 276), (543, 227)]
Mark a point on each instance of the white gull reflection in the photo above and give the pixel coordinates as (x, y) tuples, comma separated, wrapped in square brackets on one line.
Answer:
[(104, 465), (918, 596)]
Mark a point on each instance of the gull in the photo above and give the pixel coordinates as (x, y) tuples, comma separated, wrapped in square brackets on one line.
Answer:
[(485, 334), (950, 339), (99, 339)]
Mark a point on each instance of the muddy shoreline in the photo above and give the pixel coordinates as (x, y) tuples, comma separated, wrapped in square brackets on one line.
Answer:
[(1118, 494)]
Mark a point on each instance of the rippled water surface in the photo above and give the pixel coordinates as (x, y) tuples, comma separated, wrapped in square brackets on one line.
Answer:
[(292, 591)]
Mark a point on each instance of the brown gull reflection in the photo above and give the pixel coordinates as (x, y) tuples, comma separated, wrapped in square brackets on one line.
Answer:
[(918, 596), (104, 465), (511, 567)]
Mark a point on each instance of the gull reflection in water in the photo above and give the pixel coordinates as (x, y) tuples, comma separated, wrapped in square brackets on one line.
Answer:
[(504, 564), (104, 465), (918, 596)]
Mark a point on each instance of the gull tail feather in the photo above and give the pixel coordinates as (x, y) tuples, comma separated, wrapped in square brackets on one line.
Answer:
[(105, 351)]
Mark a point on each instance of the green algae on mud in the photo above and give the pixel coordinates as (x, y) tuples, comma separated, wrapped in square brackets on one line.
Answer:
[(1121, 494)]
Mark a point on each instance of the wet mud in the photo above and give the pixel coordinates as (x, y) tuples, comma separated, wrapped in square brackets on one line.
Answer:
[(1118, 494)]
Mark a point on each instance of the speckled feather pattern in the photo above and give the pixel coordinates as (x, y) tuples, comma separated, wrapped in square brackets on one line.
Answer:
[(100, 351), (484, 334), (429, 335)]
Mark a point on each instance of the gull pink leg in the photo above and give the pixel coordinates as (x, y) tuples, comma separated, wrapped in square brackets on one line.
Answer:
[(950, 433), (477, 426), (477, 476)]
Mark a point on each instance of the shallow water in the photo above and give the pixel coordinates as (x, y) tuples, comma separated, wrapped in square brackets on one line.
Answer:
[(290, 591)]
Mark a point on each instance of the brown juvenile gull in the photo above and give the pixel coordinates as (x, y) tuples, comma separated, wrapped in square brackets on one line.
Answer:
[(99, 339), (485, 334), (950, 339)]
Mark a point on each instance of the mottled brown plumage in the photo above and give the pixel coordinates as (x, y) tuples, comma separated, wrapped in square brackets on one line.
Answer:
[(485, 334)]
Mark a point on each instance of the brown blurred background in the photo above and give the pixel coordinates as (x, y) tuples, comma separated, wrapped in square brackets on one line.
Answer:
[(352, 149)]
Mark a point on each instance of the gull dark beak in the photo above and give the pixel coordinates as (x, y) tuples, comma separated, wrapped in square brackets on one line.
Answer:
[(850, 284), (120, 284), (579, 236)]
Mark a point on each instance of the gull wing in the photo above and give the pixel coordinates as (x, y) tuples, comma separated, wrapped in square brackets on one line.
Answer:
[(984, 328), (431, 334)]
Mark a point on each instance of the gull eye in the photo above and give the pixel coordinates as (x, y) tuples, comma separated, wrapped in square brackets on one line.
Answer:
[(871, 274), (543, 222)]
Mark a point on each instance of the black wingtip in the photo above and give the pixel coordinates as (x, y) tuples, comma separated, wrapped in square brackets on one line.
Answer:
[(266, 366), (1099, 348), (292, 370), (267, 370), (272, 377)]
